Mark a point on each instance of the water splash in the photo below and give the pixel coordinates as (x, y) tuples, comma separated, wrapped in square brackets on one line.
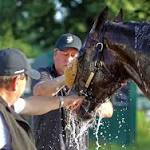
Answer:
[(96, 134), (77, 130)]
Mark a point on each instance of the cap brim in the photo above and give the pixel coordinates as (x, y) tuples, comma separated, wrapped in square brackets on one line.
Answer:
[(68, 46), (34, 74)]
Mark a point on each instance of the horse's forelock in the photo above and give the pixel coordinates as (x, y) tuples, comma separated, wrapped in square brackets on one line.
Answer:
[(119, 17), (100, 20)]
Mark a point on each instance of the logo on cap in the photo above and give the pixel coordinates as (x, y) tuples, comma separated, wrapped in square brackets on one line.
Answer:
[(69, 39)]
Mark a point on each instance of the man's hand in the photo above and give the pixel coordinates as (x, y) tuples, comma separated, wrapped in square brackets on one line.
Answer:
[(105, 110), (70, 73), (72, 102)]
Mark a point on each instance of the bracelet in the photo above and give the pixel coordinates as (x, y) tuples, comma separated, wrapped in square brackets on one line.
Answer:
[(61, 101)]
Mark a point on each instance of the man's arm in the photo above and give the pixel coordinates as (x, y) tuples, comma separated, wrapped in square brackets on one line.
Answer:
[(105, 110), (48, 87), (38, 105)]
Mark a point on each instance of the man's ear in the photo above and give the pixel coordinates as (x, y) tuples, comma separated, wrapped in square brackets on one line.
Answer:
[(55, 51), (14, 83)]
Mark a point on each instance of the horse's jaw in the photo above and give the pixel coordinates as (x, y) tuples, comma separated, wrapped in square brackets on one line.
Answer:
[(137, 66), (140, 77), (107, 80), (88, 108), (103, 87)]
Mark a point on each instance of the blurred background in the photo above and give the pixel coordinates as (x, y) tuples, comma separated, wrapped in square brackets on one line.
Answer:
[(34, 25)]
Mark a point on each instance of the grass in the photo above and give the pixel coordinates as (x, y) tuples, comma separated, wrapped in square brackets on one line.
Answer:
[(142, 137)]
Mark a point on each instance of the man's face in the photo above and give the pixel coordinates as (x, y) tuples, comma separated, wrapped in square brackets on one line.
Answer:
[(63, 58), (21, 84), (17, 87)]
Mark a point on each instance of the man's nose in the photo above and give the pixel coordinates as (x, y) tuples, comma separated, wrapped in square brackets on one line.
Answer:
[(70, 58)]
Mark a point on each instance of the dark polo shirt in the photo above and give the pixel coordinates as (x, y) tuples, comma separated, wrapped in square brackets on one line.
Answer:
[(50, 128)]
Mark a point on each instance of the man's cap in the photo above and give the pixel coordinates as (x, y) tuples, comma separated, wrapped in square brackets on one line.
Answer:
[(13, 62), (68, 40)]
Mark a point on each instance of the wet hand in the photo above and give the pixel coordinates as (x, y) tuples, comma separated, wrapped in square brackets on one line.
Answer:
[(72, 102), (105, 110)]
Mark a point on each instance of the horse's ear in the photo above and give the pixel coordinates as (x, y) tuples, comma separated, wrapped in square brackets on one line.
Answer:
[(100, 20), (119, 17)]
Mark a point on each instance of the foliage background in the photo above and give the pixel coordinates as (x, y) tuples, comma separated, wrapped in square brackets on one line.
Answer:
[(34, 25)]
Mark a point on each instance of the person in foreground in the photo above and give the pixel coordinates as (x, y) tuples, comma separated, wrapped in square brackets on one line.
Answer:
[(15, 133), (50, 129)]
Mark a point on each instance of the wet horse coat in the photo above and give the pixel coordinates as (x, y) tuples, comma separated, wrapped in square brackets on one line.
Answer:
[(113, 53)]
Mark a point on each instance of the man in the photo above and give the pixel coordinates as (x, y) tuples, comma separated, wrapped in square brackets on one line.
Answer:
[(15, 133), (49, 129), (13, 73)]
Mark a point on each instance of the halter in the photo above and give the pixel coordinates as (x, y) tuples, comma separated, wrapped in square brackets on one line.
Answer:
[(99, 49), (98, 65)]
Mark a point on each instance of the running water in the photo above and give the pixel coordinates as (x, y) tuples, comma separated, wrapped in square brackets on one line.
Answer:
[(77, 130), (98, 123)]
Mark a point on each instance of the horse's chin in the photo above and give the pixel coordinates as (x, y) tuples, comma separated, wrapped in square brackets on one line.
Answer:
[(85, 116), (84, 113)]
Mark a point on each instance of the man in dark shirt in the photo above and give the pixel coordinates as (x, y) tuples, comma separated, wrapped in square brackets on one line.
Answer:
[(50, 129)]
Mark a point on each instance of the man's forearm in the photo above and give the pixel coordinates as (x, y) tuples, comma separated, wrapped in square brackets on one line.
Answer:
[(49, 87), (38, 105)]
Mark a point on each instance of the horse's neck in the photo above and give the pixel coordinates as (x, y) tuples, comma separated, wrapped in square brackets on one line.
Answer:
[(136, 57), (133, 34)]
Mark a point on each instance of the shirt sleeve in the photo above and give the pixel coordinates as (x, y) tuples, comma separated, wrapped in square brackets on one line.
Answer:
[(5, 137), (19, 105), (45, 76)]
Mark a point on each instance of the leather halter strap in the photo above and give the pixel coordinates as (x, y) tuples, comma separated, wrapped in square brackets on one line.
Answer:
[(98, 63), (99, 48)]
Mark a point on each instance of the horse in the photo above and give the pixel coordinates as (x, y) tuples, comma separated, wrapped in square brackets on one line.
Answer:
[(113, 53)]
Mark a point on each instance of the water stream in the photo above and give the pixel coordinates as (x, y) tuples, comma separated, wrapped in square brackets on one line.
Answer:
[(78, 131)]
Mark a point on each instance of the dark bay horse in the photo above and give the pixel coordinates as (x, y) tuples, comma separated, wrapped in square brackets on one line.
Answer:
[(113, 53)]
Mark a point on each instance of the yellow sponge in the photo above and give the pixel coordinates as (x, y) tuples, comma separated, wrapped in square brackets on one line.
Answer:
[(70, 73)]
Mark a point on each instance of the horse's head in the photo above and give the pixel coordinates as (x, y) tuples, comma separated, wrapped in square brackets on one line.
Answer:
[(100, 73)]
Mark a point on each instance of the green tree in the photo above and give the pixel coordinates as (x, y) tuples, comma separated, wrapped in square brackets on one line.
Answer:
[(37, 22), (8, 40)]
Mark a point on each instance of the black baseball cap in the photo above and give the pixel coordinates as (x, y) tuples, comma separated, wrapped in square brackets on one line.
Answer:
[(13, 62), (68, 40)]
